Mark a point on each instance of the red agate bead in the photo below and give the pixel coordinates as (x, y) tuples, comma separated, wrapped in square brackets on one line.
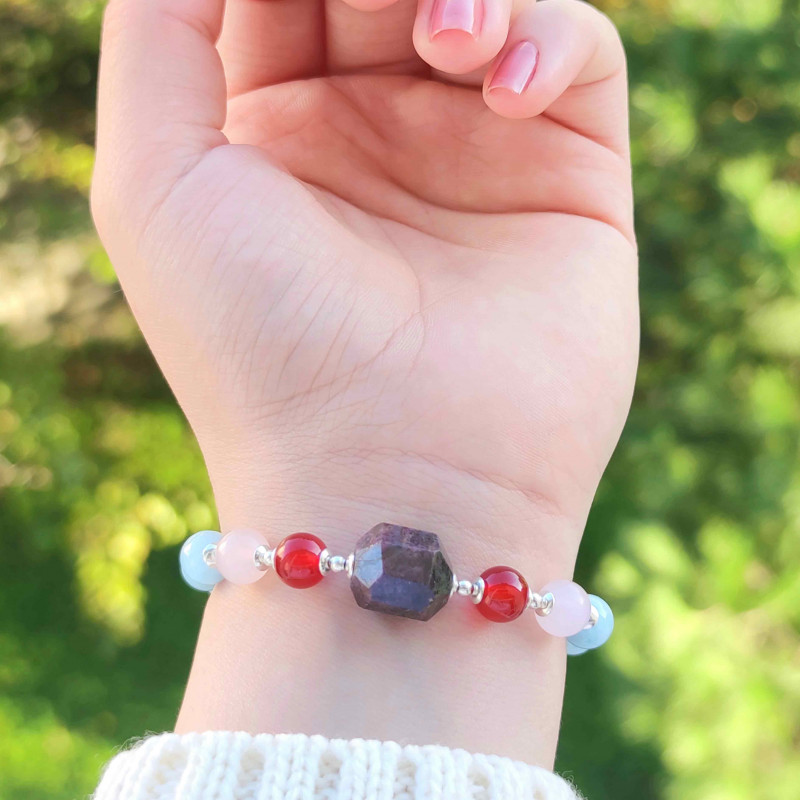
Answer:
[(297, 560), (505, 594)]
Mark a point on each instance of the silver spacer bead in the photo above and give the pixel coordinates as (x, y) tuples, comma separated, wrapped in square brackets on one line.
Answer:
[(593, 617), (465, 588), (336, 563), (478, 588), (264, 558), (324, 561), (541, 604), (348, 564), (210, 554), (454, 585)]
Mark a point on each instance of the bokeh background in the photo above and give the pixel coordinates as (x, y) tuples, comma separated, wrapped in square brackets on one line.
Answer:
[(695, 535)]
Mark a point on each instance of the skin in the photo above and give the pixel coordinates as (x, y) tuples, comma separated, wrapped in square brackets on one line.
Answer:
[(381, 291)]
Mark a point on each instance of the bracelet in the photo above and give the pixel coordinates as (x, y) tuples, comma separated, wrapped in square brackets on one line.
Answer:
[(399, 571)]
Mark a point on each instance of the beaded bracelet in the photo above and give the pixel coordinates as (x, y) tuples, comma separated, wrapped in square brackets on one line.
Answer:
[(399, 571)]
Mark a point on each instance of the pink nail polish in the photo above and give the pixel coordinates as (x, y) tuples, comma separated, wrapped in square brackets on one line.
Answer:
[(456, 15), (516, 69)]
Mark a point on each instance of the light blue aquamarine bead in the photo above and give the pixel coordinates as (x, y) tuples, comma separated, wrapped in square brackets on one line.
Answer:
[(599, 633), (194, 569), (572, 650)]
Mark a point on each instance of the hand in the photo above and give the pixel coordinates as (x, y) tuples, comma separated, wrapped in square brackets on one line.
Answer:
[(389, 278)]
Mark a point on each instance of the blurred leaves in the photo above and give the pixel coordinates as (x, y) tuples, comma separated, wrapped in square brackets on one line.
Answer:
[(695, 535)]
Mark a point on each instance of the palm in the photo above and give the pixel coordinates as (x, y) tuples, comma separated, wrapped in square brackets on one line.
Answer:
[(388, 279)]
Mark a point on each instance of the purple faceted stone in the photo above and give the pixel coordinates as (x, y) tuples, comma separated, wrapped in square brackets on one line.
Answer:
[(401, 571)]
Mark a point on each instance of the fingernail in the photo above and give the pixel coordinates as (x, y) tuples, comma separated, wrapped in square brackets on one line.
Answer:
[(515, 70), (456, 15)]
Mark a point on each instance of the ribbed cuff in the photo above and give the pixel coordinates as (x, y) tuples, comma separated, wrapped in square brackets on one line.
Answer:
[(239, 766)]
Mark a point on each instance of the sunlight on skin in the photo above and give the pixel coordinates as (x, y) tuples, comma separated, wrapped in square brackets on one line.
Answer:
[(379, 298)]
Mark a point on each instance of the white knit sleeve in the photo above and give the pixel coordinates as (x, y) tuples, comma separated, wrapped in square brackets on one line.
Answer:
[(239, 766)]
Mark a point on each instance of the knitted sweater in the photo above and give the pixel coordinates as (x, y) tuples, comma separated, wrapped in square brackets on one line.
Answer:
[(239, 766)]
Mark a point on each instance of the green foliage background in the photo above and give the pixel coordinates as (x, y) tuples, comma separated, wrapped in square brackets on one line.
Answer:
[(695, 536)]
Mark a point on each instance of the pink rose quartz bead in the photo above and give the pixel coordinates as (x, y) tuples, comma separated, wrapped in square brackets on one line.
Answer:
[(236, 556), (571, 609)]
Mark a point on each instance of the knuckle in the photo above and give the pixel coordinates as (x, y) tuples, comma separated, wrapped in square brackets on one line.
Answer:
[(606, 29), (610, 29)]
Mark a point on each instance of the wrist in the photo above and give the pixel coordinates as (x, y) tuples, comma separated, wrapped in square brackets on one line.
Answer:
[(338, 493), (270, 659), (313, 662)]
